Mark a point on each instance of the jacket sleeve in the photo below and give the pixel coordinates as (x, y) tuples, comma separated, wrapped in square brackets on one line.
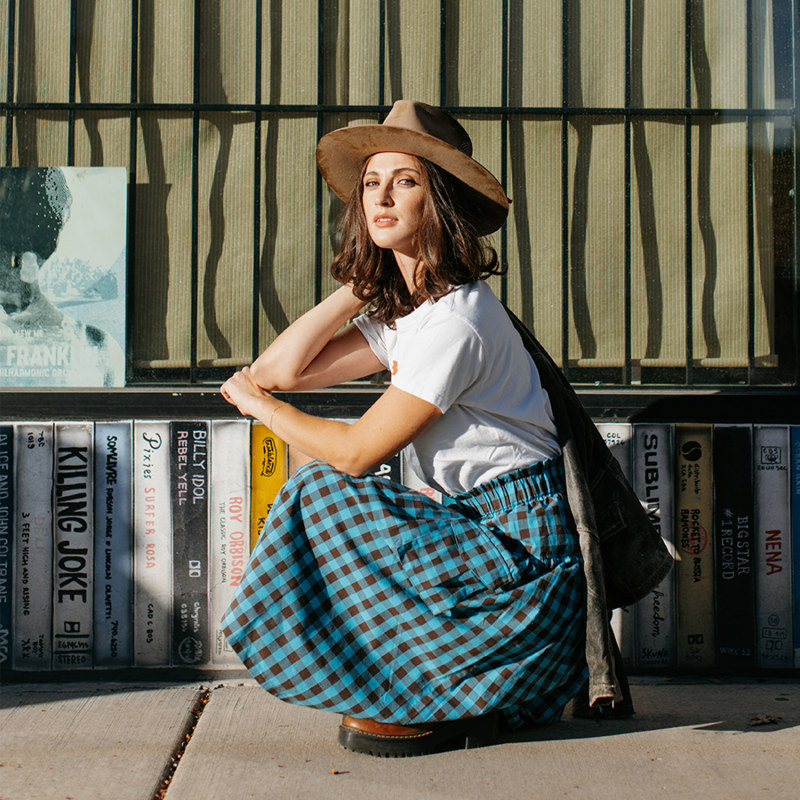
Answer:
[(624, 556)]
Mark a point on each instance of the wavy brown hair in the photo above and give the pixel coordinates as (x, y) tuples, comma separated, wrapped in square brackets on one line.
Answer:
[(452, 253)]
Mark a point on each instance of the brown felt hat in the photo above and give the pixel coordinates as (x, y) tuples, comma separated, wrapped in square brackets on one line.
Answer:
[(419, 130)]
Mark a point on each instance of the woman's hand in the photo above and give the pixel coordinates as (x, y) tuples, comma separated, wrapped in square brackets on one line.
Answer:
[(242, 391)]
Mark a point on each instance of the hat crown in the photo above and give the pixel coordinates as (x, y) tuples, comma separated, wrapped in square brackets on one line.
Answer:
[(422, 118)]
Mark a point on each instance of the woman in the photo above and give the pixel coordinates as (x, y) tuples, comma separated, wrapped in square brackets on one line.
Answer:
[(423, 623)]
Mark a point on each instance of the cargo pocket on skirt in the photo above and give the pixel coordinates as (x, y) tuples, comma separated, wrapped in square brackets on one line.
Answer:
[(455, 568)]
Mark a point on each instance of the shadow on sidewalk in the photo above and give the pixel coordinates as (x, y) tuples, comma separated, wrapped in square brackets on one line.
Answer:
[(734, 706)]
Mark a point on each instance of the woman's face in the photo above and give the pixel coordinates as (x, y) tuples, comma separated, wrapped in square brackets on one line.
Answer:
[(393, 199)]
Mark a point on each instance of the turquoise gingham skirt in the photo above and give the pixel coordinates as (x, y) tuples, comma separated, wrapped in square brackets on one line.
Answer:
[(367, 598)]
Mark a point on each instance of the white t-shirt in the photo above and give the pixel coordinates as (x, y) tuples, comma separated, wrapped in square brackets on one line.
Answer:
[(463, 355)]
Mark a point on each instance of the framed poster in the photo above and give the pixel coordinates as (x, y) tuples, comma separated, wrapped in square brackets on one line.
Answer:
[(62, 276)]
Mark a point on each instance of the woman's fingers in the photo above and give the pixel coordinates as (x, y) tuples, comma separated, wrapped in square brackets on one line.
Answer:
[(240, 388), (225, 391), (229, 389)]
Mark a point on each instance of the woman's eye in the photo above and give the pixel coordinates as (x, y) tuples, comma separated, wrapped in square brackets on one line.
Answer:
[(407, 182)]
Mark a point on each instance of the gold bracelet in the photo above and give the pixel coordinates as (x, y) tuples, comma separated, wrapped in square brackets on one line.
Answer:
[(277, 408)]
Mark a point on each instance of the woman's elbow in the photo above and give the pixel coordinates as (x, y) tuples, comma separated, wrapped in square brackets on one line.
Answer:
[(283, 383), (273, 377)]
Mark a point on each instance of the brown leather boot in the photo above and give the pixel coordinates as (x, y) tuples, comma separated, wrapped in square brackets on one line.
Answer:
[(387, 739)]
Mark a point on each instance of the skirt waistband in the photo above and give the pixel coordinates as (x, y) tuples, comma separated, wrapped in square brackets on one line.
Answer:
[(524, 485)]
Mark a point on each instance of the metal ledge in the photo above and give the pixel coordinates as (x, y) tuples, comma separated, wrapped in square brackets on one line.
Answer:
[(160, 402)]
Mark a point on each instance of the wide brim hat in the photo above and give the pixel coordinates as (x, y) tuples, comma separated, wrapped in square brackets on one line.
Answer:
[(423, 131)]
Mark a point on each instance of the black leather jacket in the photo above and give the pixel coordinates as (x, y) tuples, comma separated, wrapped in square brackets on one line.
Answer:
[(624, 556)]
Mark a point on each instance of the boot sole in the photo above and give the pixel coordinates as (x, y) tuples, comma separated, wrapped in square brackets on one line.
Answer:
[(459, 734)]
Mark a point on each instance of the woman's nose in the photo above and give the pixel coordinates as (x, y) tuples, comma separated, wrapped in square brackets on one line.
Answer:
[(384, 196)]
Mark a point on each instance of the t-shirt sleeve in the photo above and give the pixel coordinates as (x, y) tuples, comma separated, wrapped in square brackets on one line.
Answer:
[(374, 333), (442, 360)]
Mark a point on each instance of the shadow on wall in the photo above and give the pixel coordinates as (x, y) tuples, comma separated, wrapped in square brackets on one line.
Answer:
[(581, 199), (152, 276)]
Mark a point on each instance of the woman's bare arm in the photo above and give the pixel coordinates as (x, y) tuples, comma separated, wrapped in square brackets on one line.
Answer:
[(313, 352), (392, 422)]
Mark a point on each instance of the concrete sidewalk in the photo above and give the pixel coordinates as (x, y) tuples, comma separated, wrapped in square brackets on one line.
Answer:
[(689, 738)]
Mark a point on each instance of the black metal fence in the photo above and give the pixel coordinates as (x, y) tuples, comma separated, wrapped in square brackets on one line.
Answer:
[(696, 115)]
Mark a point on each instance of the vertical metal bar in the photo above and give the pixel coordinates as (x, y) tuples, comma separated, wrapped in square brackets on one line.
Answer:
[(443, 52), (750, 185), (132, 170), (12, 24), (318, 184), (195, 190), (504, 146), (382, 53), (627, 373), (71, 91), (689, 343), (565, 253), (256, 300)]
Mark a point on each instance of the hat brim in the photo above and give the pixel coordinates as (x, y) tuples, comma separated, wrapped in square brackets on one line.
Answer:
[(341, 155)]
